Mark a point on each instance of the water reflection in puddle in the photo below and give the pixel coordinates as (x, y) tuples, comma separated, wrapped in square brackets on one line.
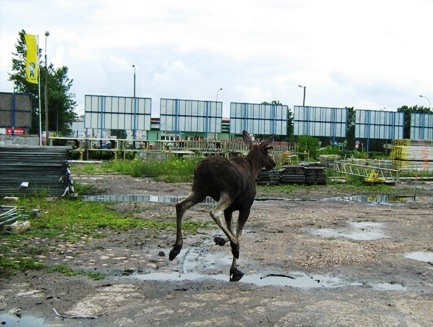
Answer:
[(383, 199), (10, 320), (295, 279), (424, 256), (138, 198), (376, 199), (389, 287), (360, 231)]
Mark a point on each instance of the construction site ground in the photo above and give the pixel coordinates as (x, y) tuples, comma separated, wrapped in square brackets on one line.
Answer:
[(316, 256)]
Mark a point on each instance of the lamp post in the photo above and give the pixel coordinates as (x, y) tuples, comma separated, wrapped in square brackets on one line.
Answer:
[(429, 103), (135, 108), (304, 87), (46, 90), (133, 66), (220, 89)]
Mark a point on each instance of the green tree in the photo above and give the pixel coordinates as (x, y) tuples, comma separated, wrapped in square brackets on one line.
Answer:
[(61, 103), (308, 144), (350, 128), (407, 111), (289, 135)]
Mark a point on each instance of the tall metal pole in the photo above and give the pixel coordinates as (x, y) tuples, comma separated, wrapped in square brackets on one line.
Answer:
[(305, 88), (133, 66), (39, 97), (220, 89), (135, 108), (46, 91)]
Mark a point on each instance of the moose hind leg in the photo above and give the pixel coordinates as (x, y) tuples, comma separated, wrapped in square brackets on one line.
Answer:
[(182, 206), (221, 240), (235, 273), (216, 214)]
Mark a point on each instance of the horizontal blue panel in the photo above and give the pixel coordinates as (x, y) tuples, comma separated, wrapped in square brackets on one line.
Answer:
[(319, 114), (269, 119), (421, 126), (114, 112), (190, 116), (379, 124), (319, 121)]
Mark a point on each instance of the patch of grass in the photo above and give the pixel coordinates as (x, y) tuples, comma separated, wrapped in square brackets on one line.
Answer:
[(65, 270), (75, 218), (172, 170), (90, 169), (71, 221), (95, 275)]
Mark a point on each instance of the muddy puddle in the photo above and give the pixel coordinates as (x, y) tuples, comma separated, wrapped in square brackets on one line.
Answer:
[(359, 231), (296, 279), (138, 198), (383, 199), (10, 320), (377, 199), (424, 256)]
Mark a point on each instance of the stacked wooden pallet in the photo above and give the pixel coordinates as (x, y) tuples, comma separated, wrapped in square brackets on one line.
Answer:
[(292, 175), (412, 156), (268, 177), (310, 174), (32, 170), (315, 176)]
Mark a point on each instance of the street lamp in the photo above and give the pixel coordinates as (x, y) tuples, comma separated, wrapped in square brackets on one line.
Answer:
[(135, 108), (220, 89), (133, 66), (46, 90), (429, 103), (304, 87)]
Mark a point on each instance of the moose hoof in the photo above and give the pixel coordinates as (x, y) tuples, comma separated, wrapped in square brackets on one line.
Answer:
[(174, 252), (219, 241), (236, 275), (235, 250)]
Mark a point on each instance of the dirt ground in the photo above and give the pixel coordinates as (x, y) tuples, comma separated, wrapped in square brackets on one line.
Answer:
[(313, 257)]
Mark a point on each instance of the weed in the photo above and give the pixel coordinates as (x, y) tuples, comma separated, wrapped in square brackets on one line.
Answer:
[(94, 275), (65, 270)]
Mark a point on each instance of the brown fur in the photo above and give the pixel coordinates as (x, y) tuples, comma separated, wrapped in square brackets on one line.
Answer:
[(232, 183)]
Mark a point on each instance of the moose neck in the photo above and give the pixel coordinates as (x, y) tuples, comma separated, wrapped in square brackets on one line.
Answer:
[(253, 158)]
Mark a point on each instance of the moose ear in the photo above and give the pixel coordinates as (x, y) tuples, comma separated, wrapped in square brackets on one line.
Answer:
[(247, 138), (267, 141)]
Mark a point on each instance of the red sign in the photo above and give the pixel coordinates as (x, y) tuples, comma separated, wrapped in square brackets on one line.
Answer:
[(17, 131)]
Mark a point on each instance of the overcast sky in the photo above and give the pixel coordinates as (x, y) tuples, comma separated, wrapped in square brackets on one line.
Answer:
[(367, 54)]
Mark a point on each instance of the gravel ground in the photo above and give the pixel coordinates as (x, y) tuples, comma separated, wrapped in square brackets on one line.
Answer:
[(314, 257)]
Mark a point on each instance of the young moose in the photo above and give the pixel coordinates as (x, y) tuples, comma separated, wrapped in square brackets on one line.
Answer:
[(232, 183)]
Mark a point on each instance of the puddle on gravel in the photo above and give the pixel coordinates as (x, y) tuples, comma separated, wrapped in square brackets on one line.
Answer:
[(10, 320), (360, 231), (138, 198), (383, 199), (424, 256), (389, 287), (295, 279)]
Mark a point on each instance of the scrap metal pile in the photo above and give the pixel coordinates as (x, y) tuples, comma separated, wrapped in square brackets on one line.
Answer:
[(34, 170)]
